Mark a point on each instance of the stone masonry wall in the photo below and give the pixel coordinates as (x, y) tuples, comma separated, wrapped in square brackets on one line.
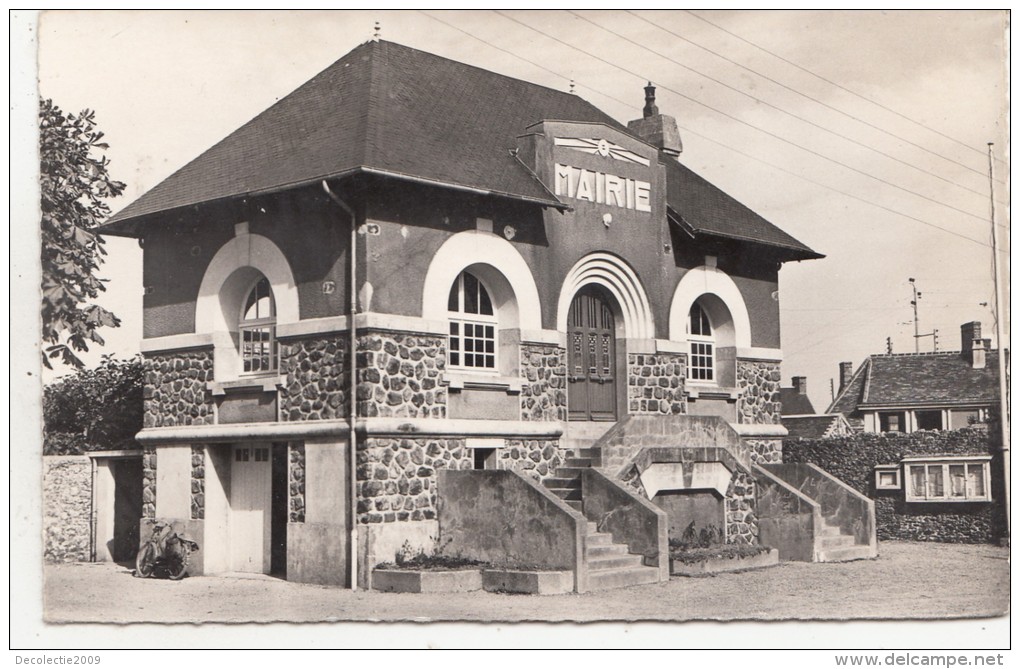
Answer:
[(543, 391), (197, 481), (765, 451), (175, 389), (296, 480), (401, 374), (655, 383), (397, 476), (758, 381), (538, 458), (149, 482), (317, 378), (67, 508), (741, 516)]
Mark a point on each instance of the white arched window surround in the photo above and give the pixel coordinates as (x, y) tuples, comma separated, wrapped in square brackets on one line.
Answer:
[(234, 270), (720, 297)]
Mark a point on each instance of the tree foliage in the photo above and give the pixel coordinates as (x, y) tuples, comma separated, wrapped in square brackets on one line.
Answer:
[(75, 185), (94, 409)]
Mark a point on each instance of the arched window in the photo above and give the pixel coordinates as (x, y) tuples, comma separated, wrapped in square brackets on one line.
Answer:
[(473, 325), (699, 331), (257, 329)]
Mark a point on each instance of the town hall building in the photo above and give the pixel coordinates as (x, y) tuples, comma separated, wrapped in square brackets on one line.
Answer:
[(419, 303)]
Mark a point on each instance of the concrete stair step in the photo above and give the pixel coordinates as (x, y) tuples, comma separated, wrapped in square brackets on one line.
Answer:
[(829, 531), (589, 453), (598, 539), (576, 463), (622, 578), (562, 481), (839, 541), (592, 528), (574, 504), (564, 472), (615, 562), (608, 550), (845, 554), (567, 493)]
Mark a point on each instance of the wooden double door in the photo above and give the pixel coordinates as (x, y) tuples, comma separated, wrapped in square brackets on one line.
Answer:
[(591, 357)]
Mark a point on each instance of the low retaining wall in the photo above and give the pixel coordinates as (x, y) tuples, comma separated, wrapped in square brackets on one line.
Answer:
[(788, 520), (67, 508)]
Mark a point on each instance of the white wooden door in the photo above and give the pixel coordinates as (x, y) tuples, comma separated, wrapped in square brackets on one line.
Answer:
[(251, 485)]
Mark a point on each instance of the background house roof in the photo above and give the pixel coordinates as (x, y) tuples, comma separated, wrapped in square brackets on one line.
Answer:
[(795, 403), (396, 110), (813, 427), (926, 379)]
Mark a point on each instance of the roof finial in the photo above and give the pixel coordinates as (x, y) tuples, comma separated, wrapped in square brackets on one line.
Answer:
[(377, 33), (572, 87)]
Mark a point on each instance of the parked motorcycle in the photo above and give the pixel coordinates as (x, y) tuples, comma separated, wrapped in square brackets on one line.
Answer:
[(165, 550)]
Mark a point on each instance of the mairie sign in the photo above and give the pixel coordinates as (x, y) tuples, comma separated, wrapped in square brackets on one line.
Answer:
[(602, 188)]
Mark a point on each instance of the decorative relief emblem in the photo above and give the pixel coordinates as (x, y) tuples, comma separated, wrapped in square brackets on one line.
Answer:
[(602, 147)]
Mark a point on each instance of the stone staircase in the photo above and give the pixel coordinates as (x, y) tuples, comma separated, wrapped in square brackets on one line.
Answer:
[(839, 546), (610, 565)]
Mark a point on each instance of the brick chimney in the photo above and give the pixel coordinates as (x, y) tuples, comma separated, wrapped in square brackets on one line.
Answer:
[(657, 129), (846, 372), (800, 385), (973, 348)]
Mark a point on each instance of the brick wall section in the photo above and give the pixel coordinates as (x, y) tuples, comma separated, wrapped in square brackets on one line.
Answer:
[(543, 388), (317, 378), (655, 383), (741, 516), (149, 482), (397, 476), (852, 459), (758, 382), (197, 482), (538, 458), (765, 451), (67, 508), (296, 482), (401, 374), (175, 389)]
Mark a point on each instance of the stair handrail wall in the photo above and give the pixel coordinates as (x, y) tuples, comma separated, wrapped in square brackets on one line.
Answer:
[(506, 518), (852, 511), (788, 520), (631, 519)]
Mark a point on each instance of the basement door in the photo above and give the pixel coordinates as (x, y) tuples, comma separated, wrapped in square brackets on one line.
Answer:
[(251, 481), (591, 358)]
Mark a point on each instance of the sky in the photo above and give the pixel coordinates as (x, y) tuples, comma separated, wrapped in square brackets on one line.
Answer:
[(787, 133)]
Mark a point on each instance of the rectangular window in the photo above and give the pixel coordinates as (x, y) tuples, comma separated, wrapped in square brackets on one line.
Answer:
[(702, 362), (472, 345), (258, 348), (950, 480), (892, 421), (887, 477), (484, 458), (928, 420)]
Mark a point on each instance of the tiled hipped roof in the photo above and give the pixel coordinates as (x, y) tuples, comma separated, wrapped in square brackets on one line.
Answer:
[(927, 379), (811, 427), (389, 109)]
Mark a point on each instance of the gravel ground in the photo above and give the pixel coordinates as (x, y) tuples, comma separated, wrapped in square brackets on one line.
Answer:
[(907, 581)]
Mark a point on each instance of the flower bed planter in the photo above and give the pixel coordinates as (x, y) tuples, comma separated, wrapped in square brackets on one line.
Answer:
[(528, 582), (426, 580), (717, 564)]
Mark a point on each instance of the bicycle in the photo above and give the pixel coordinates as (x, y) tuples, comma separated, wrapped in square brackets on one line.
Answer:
[(165, 550)]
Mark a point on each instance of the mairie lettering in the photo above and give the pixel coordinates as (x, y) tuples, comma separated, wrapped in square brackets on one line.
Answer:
[(602, 188)]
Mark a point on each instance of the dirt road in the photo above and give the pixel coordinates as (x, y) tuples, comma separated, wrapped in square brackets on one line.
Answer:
[(908, 580)]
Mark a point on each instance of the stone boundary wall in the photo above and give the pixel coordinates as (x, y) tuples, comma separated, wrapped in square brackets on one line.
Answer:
[(537, 458), (758, 382), (149, 482), (401, 374), (544, 382), (296, 482), (397, 476), (317, 381), (852, 460), (655, 383), (175, 389), (67, 508), (197, 481)]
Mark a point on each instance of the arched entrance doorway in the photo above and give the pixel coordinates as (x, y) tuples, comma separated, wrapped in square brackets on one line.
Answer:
[(591, 357)]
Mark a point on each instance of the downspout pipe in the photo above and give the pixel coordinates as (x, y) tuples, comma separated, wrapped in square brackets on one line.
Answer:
[(352, 366)]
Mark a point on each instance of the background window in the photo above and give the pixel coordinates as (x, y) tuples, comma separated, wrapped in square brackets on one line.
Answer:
[(702, 366), (928, 420), (892, 421), (472, 339), (955, 481)]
